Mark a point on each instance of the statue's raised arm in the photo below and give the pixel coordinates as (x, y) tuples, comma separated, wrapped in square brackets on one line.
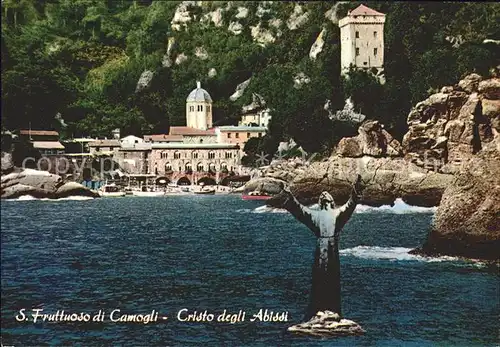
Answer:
[(346, 210), (303, 213)]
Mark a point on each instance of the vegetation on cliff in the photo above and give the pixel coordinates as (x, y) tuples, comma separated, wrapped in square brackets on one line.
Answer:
[(81, 60)]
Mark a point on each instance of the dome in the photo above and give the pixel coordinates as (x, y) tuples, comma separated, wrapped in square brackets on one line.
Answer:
[(199, 95)]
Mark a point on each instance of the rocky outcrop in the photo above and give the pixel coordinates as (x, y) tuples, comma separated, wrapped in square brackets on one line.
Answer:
[(373, 140), (240, 88), (144, 81), (167, 58), (317, 46), (467, 222), (298, 18), (40, 184), (449, 127), (328, 324), (7, 163), (386, 179)]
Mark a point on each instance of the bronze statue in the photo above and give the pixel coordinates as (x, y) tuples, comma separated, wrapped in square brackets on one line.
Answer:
[(326, 223)]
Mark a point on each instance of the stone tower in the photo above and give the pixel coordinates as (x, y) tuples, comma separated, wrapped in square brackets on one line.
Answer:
[(199, 109), (362, 39)]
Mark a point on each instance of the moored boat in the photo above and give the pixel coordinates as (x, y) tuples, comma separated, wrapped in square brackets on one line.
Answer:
[(256, 196), (110, 190), (146, 193), (205, 191)]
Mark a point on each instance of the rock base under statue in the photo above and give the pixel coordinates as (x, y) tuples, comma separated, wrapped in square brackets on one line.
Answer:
[(328, 324)]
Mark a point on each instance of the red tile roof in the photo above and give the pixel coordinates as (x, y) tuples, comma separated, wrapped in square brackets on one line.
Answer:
[(363, 10), (163, 138), (190, 131), (39, 132)]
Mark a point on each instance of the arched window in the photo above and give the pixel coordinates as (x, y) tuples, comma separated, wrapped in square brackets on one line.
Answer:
[(229, 155), (177, 155), (195, 155), (199, 167), (211, 155), (188, 169), (223, 167), (208, 108), (168, 167), (164, 155)]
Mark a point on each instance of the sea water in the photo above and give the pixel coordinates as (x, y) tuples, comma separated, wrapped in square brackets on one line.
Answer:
[(179, 255)]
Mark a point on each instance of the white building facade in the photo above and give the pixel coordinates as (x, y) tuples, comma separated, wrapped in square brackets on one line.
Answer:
[(362, 39)]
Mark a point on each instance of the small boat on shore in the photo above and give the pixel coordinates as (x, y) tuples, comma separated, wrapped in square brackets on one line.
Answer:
[(110, 191), (205, 191), (148, 194), (256, 196)]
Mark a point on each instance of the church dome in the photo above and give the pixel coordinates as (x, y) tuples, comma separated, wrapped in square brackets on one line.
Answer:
[(199, 95)]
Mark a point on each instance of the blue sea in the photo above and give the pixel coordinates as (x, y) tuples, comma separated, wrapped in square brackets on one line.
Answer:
[(216, 253)]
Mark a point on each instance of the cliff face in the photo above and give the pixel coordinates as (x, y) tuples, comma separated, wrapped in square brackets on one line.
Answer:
[(449, 128), (467, 222)]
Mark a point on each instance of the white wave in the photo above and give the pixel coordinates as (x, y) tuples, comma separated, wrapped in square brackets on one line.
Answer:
[(399, 207), (391, 253), (25, 198), (268, 209)]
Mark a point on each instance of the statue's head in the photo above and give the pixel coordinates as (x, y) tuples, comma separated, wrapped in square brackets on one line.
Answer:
[(325, 201)]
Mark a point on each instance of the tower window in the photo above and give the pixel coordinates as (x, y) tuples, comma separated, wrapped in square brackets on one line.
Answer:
[(357, 34), (375, 34), (200, 108), (357, 51), (208, 108), (375, 51)]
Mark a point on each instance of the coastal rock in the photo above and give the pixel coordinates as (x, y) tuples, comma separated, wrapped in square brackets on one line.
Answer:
[(490, 88), (449, 127), (265, 184), (372, 140), (328, 324), (7, 163), (467, 220), (39, 184), (385, 178), (74, 189)]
